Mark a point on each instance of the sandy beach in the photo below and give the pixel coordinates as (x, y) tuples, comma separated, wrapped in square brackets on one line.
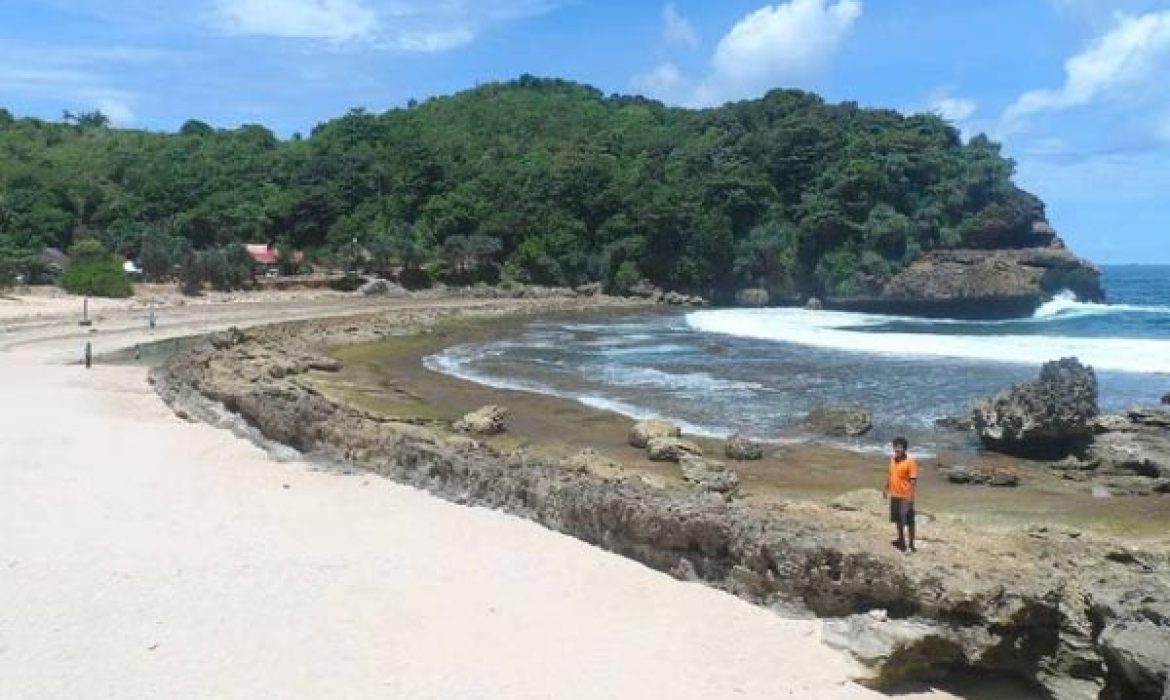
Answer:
[(146, 556)]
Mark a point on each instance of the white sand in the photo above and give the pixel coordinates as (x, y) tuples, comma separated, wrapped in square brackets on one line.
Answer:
[(142, 556)]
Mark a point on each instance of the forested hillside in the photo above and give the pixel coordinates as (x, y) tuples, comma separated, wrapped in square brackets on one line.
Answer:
[(535, 180)]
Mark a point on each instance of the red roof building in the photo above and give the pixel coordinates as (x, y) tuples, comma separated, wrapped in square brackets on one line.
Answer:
[(268, 254)]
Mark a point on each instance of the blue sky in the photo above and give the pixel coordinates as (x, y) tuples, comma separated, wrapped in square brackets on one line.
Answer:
[(1078, 91)]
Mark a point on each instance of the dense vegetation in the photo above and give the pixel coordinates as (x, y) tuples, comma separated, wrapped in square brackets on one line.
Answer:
[(541, 181)]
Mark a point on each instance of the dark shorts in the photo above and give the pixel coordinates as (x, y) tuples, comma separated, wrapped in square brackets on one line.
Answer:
[(901, 511)]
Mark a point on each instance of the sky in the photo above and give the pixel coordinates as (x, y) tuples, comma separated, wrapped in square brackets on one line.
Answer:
[(1078, 91)]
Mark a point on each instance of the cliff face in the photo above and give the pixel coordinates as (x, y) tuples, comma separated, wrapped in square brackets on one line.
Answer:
[(987, 283)]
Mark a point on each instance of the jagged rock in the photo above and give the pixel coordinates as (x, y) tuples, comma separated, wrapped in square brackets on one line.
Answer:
[(643, 431), (708, 474), (1166, 398), (1139, 650), (840, 421), (742, 448), (989, 476), (893, 649), (752, 296), (814, 304), (671, 449), (1050, 417), (487, 420)]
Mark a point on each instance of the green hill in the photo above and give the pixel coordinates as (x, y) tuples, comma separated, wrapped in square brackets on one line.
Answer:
[(542, 181)]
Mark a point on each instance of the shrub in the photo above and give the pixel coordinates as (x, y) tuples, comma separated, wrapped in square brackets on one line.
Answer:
[(94, 272)]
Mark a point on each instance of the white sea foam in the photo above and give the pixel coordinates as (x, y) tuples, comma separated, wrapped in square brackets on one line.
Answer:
[(847, 331), (648, 377), (1065, 305)]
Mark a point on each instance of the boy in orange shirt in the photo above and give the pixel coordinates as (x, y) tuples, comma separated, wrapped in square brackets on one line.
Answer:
[(900, 489)]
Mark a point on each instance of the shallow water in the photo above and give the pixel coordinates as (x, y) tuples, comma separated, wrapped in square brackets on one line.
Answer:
[(759, 371)]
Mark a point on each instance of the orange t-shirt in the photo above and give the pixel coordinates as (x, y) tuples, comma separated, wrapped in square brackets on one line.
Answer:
[(900, 475)]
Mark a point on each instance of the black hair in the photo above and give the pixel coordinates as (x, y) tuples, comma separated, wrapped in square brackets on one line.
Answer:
[(901, 442)]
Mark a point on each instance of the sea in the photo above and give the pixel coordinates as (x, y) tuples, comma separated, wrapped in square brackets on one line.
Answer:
[(760, 371)]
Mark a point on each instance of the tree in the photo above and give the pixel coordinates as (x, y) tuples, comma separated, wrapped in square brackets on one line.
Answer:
[(94, 272)]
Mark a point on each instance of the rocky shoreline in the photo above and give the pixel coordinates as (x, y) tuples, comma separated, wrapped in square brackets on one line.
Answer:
[(1080, 615)]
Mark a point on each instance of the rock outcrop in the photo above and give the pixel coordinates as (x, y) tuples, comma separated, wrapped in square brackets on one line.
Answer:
[(708, 474), (671, 449), (979, 283), (1050, 417), (642, 432), (1135, 443), (838, 421), (742, 448), (486, 420)]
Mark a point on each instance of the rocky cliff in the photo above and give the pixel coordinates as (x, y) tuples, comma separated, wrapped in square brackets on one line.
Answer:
[(983, 283)]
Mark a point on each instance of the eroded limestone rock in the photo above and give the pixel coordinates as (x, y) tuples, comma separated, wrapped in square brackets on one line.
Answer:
[(708, 474), (743, 448), (643, 431), (487, 420), (1050, 417), (671, 449)]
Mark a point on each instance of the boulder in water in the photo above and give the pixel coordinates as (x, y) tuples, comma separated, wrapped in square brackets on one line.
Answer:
[(1166, 398), (1050, 417)]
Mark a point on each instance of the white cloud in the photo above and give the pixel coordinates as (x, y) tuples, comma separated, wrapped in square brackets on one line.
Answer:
[(403, 25), (1127, 61), (783, 45), (78, 78), (337, 20), (953, 109), (677, 30), (665, 80), (432, 42)]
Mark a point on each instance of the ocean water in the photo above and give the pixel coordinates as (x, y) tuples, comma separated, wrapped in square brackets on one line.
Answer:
[(760, 371)]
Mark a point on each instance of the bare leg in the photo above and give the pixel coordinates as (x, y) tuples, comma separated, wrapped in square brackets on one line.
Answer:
[(911, 526)]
